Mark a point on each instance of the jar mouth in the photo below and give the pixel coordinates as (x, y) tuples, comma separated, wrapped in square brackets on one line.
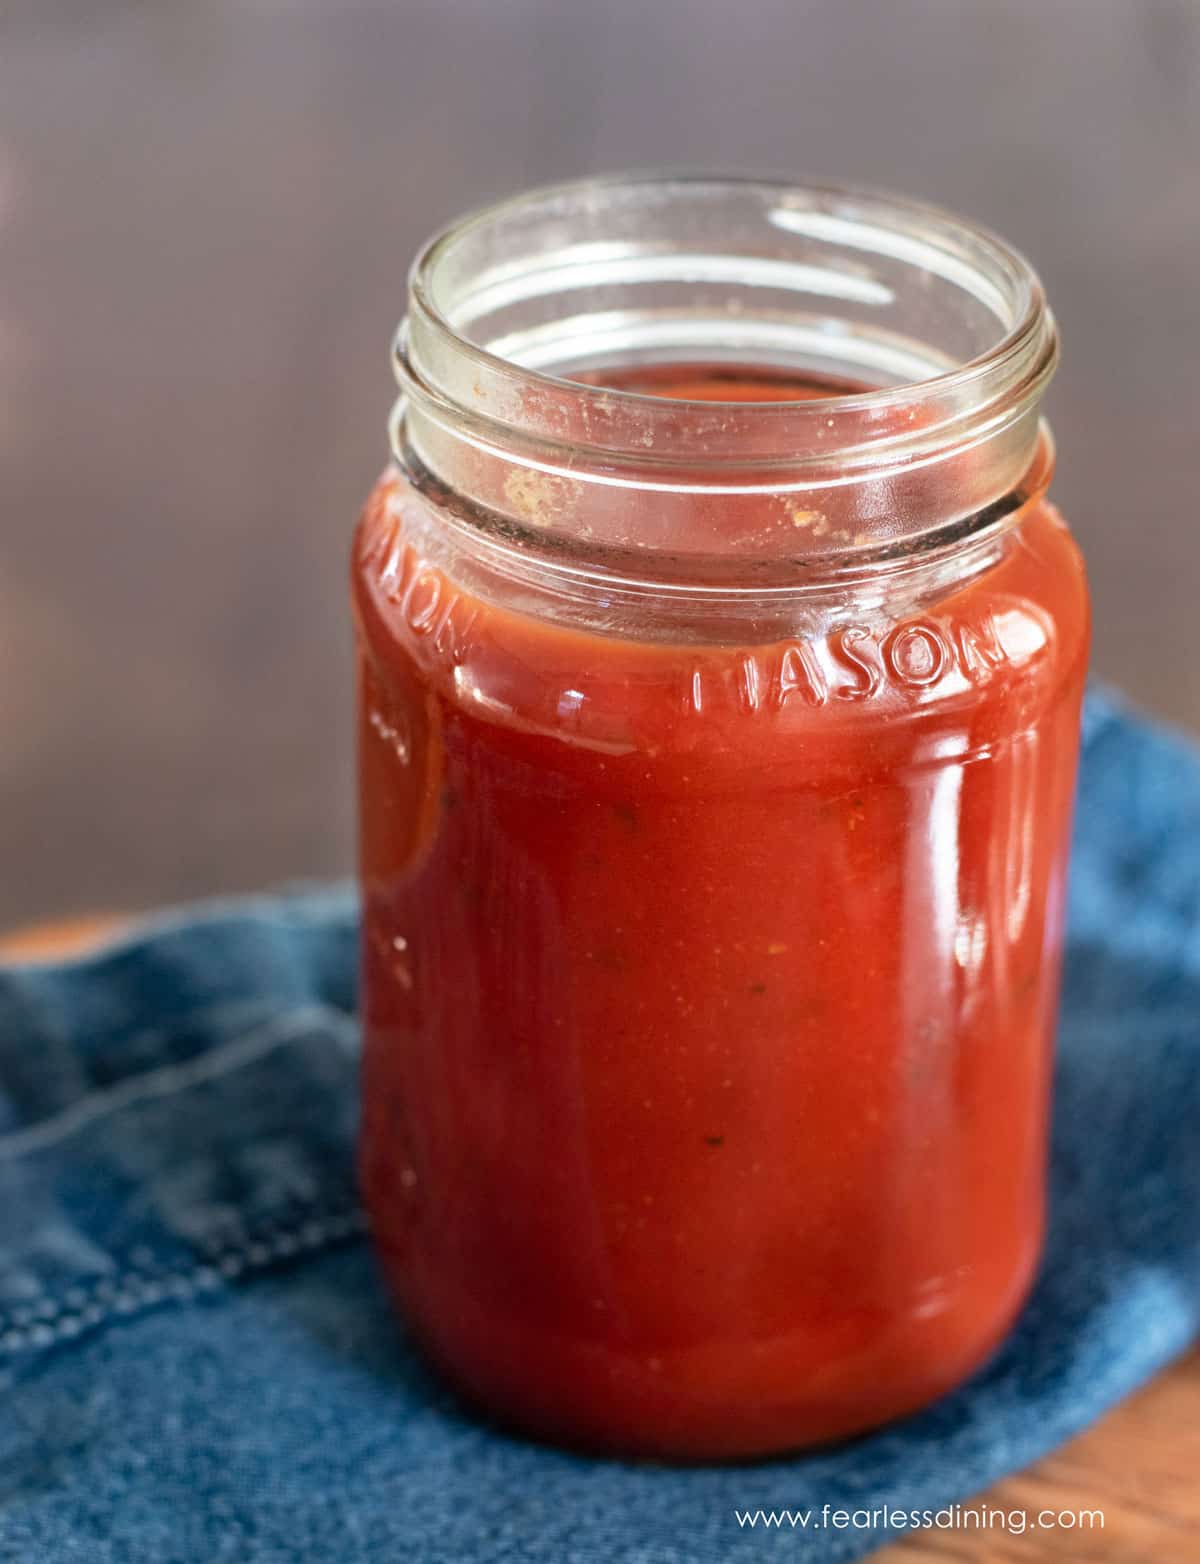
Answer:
[(944, 325)]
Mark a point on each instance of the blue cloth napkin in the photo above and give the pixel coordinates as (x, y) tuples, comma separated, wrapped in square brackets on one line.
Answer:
[(197, 1360)]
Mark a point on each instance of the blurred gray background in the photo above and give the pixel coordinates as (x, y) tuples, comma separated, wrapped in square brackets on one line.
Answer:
[(206, 214)]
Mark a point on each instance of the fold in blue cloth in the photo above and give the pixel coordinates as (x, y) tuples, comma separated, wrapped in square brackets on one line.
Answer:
[(197, 1361)]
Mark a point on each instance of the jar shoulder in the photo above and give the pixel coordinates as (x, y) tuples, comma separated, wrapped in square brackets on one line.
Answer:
[(981, 652)]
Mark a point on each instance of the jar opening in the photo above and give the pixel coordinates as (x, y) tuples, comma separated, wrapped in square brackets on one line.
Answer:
[(524, 315)]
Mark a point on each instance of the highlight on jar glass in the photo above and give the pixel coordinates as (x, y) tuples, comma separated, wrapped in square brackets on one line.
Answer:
[(720, 662)]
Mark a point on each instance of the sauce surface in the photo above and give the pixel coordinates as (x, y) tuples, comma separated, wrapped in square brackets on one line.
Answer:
[(709, 986), (718, 382)]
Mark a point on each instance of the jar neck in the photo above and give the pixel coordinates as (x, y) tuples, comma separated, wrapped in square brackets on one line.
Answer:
[(945, 328)]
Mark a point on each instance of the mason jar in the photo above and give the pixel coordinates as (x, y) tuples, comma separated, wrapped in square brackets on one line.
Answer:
[(720, 661)]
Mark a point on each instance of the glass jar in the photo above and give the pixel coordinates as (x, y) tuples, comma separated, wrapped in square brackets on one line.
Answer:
[(720, 664)]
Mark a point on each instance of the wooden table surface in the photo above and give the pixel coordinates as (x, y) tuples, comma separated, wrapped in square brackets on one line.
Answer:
[(1138, 1465)]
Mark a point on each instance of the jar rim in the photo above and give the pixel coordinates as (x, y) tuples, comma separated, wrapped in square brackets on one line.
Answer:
[(947, 322), (1028, 310)]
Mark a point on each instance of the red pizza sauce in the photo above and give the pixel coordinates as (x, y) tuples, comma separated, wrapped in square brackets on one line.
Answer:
[(710, 979)]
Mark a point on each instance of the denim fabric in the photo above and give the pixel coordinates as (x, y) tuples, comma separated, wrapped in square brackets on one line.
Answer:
[(198, 1363)]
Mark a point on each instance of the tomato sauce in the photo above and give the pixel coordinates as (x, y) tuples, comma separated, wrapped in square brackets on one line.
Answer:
[(709, 985)]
